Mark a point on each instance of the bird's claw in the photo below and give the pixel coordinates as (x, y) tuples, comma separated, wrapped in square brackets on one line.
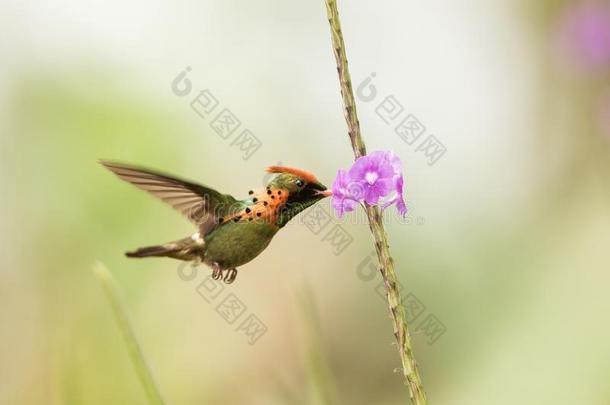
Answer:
[(216, 272), (230, 276)]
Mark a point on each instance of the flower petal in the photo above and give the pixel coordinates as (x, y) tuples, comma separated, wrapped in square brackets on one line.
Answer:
[(372, 178)]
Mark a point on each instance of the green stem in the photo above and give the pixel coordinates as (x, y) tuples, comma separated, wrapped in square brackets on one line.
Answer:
[(133, 348), (409, 366)]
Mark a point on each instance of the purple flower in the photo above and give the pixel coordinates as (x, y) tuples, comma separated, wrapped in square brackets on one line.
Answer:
[(397, 198), (584, 35), (345, 195), (375, 179), (375, 173)]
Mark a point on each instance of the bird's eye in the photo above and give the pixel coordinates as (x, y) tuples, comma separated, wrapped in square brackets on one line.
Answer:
[(299, 183)]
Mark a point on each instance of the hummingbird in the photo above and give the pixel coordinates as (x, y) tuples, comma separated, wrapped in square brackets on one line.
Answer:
[(230, 232)]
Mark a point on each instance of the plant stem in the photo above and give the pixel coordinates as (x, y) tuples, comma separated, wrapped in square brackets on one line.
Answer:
[(133, 348), (386, 263)]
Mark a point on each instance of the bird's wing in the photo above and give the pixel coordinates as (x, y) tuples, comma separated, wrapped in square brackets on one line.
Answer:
[(200, 204)]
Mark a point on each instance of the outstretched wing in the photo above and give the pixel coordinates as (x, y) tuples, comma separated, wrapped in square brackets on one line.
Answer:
[(201, 205)]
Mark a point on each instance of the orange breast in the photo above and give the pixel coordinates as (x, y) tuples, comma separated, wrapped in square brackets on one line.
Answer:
[(266, 206)]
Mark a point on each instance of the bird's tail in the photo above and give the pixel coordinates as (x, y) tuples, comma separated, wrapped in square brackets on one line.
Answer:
[(156, 251), (183, 249)]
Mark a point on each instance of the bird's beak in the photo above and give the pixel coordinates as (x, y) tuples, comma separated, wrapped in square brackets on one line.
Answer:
[(321, 190)]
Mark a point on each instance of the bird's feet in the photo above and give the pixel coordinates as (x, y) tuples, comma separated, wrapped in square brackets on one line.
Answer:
[(227, 275), (216, 271), (230, 276)]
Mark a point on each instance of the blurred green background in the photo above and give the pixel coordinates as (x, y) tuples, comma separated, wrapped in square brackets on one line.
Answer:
[(506, 244)]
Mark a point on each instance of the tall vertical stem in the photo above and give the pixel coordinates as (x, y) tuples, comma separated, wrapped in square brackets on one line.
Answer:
[(409, 366)]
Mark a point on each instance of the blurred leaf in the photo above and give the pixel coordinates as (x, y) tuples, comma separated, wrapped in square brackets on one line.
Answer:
[(318, 368), (135, 352)]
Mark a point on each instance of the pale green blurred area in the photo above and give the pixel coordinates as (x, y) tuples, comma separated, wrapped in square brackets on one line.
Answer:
[(512, 256)]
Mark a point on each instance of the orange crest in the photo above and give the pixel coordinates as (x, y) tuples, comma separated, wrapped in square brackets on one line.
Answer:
[(304, 174)]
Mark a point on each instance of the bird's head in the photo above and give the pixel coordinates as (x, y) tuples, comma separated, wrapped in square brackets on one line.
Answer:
[(303, 189)]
